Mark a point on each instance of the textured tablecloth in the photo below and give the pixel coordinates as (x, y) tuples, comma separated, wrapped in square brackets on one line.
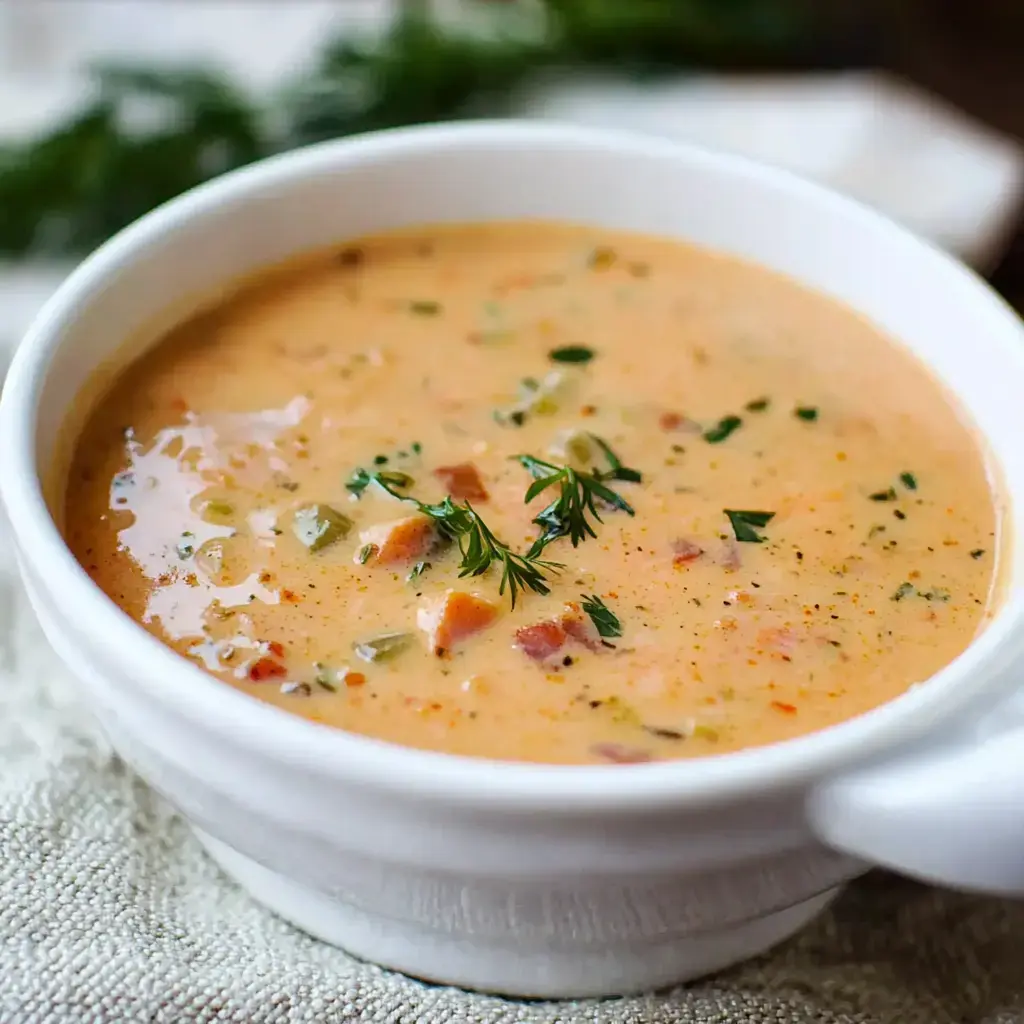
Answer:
[(110, 912)]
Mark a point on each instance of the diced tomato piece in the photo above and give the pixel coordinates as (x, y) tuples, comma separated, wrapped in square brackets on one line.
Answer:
[(453, 617), (541, 640), (462, 482), (685, 551), (618, 753), (265, 668), (400, 540)]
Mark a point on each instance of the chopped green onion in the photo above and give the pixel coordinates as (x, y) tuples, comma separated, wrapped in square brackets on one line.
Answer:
[(382, 647), (318, 526)]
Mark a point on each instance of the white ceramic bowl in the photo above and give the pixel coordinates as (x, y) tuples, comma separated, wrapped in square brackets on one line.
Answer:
[(529, 879)]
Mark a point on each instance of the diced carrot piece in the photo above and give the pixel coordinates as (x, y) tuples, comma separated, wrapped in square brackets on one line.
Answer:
[(685, 551), (462, 482), (786, 709), (541, 640), (400, 540), (453, 617)]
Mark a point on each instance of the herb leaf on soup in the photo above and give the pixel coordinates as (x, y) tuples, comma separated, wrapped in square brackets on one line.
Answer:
[(605, 620), (617, 471), (745, 524), (722, 429), (480, 548), (571, 354), (578, 494)]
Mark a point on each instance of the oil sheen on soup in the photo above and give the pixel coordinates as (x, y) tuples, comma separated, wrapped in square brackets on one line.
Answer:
[(536, 492)]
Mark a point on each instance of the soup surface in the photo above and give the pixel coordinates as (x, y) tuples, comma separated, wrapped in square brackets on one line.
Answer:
[(780, 520)]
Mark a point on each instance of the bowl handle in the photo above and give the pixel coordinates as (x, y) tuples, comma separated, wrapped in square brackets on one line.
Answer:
[(953, 815)]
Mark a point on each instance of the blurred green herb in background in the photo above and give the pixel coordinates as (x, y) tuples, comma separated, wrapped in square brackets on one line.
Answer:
[(147, 134)]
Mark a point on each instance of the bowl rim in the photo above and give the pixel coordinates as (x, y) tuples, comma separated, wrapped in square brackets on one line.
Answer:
[(327, 751)]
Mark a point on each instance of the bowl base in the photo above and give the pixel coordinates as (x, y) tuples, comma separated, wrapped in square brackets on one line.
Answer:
[(507, 968)]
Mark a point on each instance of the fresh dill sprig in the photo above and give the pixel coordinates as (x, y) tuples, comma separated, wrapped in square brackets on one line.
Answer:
[(480, 548), (578, 493), (605, 620)]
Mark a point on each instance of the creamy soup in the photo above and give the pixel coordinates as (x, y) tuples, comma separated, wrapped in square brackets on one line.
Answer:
[(542, 493)]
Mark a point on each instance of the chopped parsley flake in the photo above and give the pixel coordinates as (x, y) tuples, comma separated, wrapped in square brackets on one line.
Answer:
[(757, 405), (605, 620), (746, 524), (722, 429), (887, 495), (571, 354), (417, 571), (808, 413), (909, 481), (425, 307)]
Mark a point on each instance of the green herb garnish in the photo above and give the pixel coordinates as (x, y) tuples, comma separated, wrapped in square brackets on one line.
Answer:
[(480, 548), (571, 354), (746, 524), (567, 515), (757, 405), (887, 495), (362, 478), (808, 413), (417, 571), (318, 526), (903, 590), (382, 647), (909, 481), (365, 553), (977, 553), (425, 307), (186, 546), (605, 620), (616, 470), (722, 429)]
